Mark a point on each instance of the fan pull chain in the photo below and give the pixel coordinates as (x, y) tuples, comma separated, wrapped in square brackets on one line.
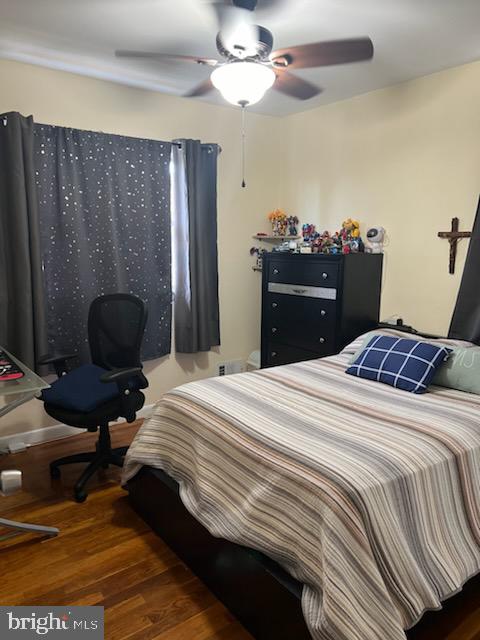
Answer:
[(243, 105)]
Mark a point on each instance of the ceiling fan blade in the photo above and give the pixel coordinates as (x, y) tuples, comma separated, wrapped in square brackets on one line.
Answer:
[(201, 89), (151, 55), (295, 87), (321, 54)]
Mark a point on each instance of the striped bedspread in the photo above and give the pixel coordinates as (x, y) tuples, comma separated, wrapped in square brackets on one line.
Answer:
[(368, 495)]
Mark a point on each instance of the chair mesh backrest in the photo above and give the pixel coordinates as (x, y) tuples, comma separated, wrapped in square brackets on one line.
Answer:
[(116, 324)]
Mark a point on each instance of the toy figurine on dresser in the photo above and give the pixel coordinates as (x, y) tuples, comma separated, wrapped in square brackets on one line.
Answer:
[(375, 240)]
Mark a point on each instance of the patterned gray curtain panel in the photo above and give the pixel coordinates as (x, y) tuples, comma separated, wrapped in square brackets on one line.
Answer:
[(22, 319), (104, 205)]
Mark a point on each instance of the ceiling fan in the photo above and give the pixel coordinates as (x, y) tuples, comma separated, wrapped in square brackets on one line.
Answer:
[(249, 66)]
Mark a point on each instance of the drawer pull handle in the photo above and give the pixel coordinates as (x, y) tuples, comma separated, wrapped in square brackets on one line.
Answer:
[(299, 290), (324, 275), (274, 329), (275, 271), (274, 305), (274, 354), (323, 312), (321, 340)]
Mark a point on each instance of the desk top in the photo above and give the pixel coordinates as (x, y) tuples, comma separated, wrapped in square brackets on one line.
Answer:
[(29, 383)]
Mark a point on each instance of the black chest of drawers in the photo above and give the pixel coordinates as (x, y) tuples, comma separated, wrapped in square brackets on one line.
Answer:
[(313, 305)]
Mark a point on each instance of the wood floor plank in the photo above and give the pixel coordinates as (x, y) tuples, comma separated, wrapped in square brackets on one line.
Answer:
[(469, 629), (106, 555), (233, 632), (201, 626)]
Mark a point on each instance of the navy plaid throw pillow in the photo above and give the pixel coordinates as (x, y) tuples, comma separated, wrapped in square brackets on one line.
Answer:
[(405, 364)]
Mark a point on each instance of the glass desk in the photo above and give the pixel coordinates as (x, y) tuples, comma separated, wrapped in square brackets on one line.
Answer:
[(14, 393)]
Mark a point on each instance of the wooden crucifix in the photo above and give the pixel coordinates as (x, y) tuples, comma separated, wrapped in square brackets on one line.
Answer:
[(453, 237)]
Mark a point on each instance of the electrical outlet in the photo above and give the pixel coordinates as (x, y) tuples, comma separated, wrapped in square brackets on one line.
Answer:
[(232, 366)]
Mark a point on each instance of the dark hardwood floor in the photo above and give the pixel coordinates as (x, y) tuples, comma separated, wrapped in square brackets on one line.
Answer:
[(106, 555)]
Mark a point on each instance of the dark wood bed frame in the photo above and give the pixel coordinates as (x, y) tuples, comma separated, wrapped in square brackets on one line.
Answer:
[(263, 597)]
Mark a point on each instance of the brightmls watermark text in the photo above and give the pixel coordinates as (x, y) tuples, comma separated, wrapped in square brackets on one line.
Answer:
[(57, 623)]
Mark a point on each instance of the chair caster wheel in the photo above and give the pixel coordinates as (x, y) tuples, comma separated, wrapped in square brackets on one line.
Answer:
[(54, 473), (80, 496)]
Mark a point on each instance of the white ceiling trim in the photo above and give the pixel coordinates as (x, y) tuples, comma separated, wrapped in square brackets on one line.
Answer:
[(52, 59)]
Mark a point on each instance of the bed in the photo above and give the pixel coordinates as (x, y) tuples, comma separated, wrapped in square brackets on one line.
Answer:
[(367, 496)]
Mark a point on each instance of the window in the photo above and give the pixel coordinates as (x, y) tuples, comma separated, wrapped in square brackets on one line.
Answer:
[(104, 209)]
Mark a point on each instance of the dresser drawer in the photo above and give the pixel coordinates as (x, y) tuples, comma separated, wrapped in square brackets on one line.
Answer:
[(318, 340), (278, 354), (301, 322), (302, 290), (308, 273), (299, 312)]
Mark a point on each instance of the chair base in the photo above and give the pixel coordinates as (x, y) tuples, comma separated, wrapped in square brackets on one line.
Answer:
[(102, 458)]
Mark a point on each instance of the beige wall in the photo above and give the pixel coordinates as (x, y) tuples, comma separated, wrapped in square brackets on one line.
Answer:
[(60, 98), (406, 158)]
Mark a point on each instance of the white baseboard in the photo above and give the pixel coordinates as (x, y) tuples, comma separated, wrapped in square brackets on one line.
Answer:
[(55, 432)]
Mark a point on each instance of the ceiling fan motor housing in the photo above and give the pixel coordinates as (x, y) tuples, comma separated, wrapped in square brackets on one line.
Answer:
[(250, 5), (263, 46)]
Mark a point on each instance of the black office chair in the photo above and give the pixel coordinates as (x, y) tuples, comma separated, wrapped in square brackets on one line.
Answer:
[(95, 394)]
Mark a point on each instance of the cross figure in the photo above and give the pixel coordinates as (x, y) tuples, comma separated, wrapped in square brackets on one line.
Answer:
[(453, 237)]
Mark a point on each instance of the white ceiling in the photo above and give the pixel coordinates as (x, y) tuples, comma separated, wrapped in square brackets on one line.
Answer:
[(411, 37)]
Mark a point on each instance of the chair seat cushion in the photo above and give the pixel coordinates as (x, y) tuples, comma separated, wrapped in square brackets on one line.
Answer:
[(81, 390), (106, 412)]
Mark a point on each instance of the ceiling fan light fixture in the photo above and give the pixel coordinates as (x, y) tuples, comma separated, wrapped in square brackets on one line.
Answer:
[(243, 83)]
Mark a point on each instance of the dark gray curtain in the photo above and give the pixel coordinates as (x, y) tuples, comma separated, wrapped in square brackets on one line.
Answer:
[(22, 318), (465, 323), (104, 203), (196, 308)]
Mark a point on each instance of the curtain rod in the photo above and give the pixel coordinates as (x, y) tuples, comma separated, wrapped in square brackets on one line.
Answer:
[(177, 144)]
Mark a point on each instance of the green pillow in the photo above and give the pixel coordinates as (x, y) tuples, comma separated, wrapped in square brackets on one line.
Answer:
[(366, 339), (461, 371)]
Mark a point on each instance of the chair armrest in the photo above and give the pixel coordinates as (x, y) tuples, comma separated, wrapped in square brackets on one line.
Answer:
[(123, 376), (59, 361), (119, 375)]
